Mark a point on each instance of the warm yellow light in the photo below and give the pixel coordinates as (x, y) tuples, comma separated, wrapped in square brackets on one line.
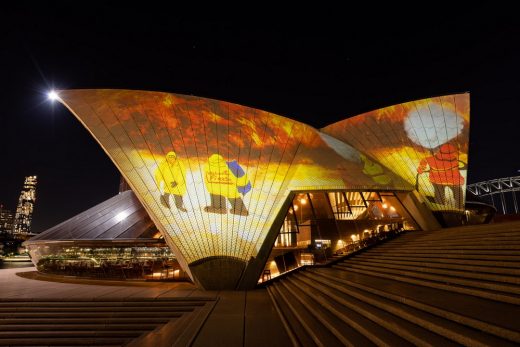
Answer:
[(303, 201), (392, 209), (295, 207), (385, 206)]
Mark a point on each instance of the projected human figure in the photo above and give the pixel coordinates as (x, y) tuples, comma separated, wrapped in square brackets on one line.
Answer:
[(170, 178), (435, 127), (444, 171), (225, 180)]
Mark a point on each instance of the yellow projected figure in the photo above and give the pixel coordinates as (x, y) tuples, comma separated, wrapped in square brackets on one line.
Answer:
[(225, 180), (170, 178)]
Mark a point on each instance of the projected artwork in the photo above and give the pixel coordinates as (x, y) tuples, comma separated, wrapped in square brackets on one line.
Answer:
[(213, 175), (425, 142), (170, 177), (225, 180)]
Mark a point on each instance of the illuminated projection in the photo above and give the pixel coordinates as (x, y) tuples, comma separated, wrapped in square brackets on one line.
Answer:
[(425, 142), (216, 177)]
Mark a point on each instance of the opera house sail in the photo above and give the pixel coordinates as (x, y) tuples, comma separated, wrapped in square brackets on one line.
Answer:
[(217, 179), (425, 142)]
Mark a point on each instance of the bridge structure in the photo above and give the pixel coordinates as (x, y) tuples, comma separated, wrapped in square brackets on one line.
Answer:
[(500, 192)]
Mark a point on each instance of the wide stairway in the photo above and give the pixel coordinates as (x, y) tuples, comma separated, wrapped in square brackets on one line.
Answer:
[(91, 322), (457, 286)]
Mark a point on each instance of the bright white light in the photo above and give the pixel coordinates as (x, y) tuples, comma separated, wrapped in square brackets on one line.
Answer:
[(52, 95), (121, 216)]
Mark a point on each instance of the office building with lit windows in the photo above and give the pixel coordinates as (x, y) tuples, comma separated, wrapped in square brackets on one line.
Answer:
[(24, 209), (236, 193), (6, 221)]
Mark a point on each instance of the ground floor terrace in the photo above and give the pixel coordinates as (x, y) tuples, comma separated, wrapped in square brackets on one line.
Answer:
[(456, 286), (48, 310)]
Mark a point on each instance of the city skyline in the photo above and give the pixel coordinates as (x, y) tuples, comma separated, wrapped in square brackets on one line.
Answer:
[(317, 72)]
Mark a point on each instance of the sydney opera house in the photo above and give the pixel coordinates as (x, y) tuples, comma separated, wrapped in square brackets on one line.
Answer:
[(223, 194)]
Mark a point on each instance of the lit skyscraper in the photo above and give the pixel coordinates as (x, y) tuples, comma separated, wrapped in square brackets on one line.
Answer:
[(6, 221), (24, 210)]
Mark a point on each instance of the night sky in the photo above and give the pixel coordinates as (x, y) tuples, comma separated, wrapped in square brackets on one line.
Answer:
[(316, 66)]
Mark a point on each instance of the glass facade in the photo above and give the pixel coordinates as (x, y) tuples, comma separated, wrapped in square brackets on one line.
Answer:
[(321, 225), (105, 260), (115, 239)]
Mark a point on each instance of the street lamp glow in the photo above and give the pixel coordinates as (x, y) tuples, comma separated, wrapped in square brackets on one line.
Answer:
[(52, 95)]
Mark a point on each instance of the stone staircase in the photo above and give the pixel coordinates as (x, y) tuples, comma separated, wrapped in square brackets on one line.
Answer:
[(107, 322), (458, 286)]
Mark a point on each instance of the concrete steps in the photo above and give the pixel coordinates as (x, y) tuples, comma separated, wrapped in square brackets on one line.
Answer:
[(508, 268), (479, 280), (450, 305), (84, 323), (457, 286), (499, 274), (320, 316)]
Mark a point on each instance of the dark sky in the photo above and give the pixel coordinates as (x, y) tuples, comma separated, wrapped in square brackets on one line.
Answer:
[(316, 66)]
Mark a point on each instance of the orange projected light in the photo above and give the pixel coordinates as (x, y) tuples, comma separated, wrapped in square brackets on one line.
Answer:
[(425, 142), (213, 175)]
